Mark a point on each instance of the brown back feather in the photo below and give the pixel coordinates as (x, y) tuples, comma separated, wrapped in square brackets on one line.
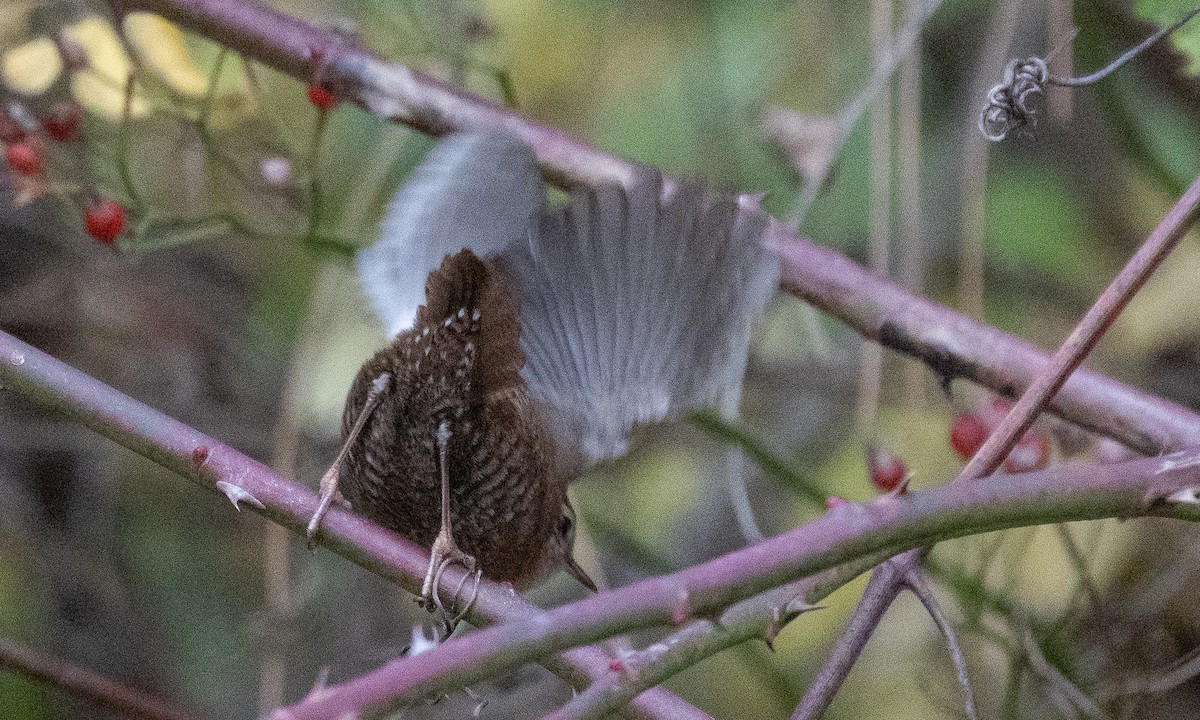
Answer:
[(465, 282)]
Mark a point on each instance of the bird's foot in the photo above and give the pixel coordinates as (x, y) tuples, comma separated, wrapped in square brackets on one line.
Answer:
[(444, 554)]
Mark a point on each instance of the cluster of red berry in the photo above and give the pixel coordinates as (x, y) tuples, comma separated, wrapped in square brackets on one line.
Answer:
[(889, 474), (970, 430), (25, 151)]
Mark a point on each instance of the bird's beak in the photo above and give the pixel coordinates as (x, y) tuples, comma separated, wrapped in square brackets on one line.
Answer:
[(580, 575)]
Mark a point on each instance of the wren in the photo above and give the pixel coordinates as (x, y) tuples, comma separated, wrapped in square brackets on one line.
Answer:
[(545, 335)]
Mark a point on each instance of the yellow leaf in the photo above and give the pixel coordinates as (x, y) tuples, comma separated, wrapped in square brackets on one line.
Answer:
[(99, 95), (101, 87), (160, 45), (105, 54), (31, 68)]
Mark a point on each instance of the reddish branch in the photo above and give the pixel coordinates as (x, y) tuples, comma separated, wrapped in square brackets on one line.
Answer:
[(216, 466), (952, 345), (1164, 486), (106, 693), (1065, 360), (987, 459), (1159, 486), (1086, 334)]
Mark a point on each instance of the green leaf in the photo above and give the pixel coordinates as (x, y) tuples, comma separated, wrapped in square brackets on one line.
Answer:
[(1186, 39)]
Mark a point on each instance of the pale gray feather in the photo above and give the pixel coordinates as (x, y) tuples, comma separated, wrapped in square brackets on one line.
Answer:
[(636, 305), (475, 190)]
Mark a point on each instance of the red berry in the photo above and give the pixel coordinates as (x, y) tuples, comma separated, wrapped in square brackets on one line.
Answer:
[(888, 472), (1031, 452), (63, 121), (24, 157), (104, 219), (616, 666), (321, 98), (967, 435)]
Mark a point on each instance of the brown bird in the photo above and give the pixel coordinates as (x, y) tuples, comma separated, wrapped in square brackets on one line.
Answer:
[(537, 349)]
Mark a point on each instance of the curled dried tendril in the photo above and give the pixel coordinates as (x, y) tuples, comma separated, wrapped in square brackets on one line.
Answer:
[(1008, 103), (1008, 107)]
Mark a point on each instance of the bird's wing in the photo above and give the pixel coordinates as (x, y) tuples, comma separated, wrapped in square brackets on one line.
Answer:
[(636, 305), (476, 190)]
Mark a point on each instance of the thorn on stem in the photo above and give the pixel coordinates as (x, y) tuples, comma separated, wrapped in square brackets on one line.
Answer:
[(1186, 496), (238, 494)]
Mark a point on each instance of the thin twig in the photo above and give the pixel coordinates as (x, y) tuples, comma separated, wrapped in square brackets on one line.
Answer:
[(1086, 334), (879, 204), (732, 432), (1054, 678), (1130, 54), (974, 165), (123, 138), (848, 117), (910, 243), (106, 693), (915, 581), (881, 590), (1156, 683)]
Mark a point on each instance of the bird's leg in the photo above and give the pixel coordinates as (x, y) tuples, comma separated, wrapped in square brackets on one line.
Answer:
[(329, 481), (445, 551)]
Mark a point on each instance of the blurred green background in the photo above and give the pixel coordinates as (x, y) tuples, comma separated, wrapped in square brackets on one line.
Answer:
[(232, 305)]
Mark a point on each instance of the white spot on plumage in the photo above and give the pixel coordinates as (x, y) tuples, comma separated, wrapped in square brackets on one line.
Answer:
[(475, 315)]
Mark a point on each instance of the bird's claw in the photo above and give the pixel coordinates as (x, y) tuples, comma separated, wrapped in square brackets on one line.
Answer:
[(444, 554)]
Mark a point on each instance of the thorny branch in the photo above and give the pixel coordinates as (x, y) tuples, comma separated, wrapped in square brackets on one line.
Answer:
[(987, 459), (1162, 486), (253, 486), (951, 344)]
